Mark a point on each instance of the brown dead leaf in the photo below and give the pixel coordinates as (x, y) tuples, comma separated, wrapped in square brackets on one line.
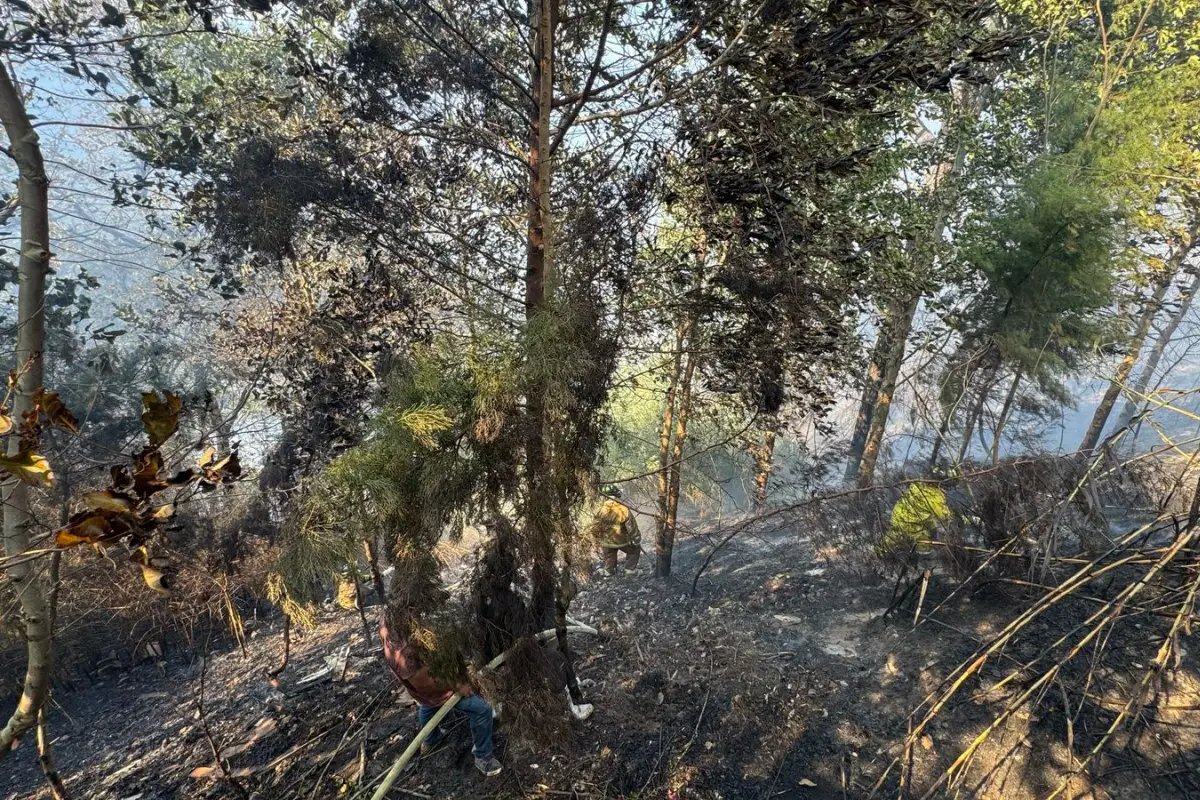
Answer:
[(207, 457), (30, 429), (142, 556), (227, 469), (70, 538), (29, 467), (120, 476), (156, 579), (154, 570), (6, 424), (96, 526), (55, 411), (108, 500), (183, 477), (147, 469), (160, 416)]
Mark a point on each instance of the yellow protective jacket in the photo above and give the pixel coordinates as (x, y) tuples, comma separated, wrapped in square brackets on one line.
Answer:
[(915, 519), (615, 525)]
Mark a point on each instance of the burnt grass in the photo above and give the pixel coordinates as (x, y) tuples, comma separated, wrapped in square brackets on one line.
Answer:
[(778, 679)]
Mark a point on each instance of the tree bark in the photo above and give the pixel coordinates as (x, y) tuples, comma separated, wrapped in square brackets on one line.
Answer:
[(866, 409), (975, 414), (897, 327), (1135, 401), (901, 319), (58, 789), (764, 455), (369, 548), (1124, 369), (538, 280), (1002, 420), (32, 189), (666, 435), (664, 547)]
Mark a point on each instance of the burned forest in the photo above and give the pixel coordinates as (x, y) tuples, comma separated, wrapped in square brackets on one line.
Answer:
[(676, 399)]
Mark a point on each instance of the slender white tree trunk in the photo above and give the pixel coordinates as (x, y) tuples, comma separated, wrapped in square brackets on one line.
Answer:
[(1120, 377), (1135, 402), (32, 267)]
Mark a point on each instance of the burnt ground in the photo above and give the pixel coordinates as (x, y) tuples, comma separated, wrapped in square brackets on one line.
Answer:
[(778, 679)]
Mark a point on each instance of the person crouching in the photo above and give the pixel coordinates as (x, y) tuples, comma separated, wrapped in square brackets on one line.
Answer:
[(430, 694)]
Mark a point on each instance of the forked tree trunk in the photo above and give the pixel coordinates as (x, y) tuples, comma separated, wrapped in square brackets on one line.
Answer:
[(898, 326), (764, 455), (1136, 396), (1002, 420), (889, 351), (866, 409), (975, 414), (664, 547), (1124, 369), (34, 262)]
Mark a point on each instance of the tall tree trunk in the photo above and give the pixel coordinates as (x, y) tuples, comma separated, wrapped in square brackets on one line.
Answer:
[(764, 455), (539, 281), (664, 547), (897, 327), (1124, 369), (900, 320), (32, 190), (45, 747), (1002, 420), (939, 441), (975, 414), (1134, 402), (949, 412), (866, 408), (666, 435)]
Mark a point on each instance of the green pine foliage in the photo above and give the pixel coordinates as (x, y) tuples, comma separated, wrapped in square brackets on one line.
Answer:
[(1046, 269), (406, 484)]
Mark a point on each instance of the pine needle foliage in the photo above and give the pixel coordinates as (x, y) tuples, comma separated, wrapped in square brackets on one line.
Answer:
[(446, 451), (404, 485)]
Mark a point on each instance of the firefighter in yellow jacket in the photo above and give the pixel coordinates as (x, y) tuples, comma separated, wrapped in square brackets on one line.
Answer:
[(915, 520), (616, 530)]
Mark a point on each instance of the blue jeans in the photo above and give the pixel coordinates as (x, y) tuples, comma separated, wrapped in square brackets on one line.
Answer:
[(478, 714)]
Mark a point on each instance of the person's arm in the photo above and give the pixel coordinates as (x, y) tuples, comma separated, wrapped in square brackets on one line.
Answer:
[(426, 684), (940, 507)]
